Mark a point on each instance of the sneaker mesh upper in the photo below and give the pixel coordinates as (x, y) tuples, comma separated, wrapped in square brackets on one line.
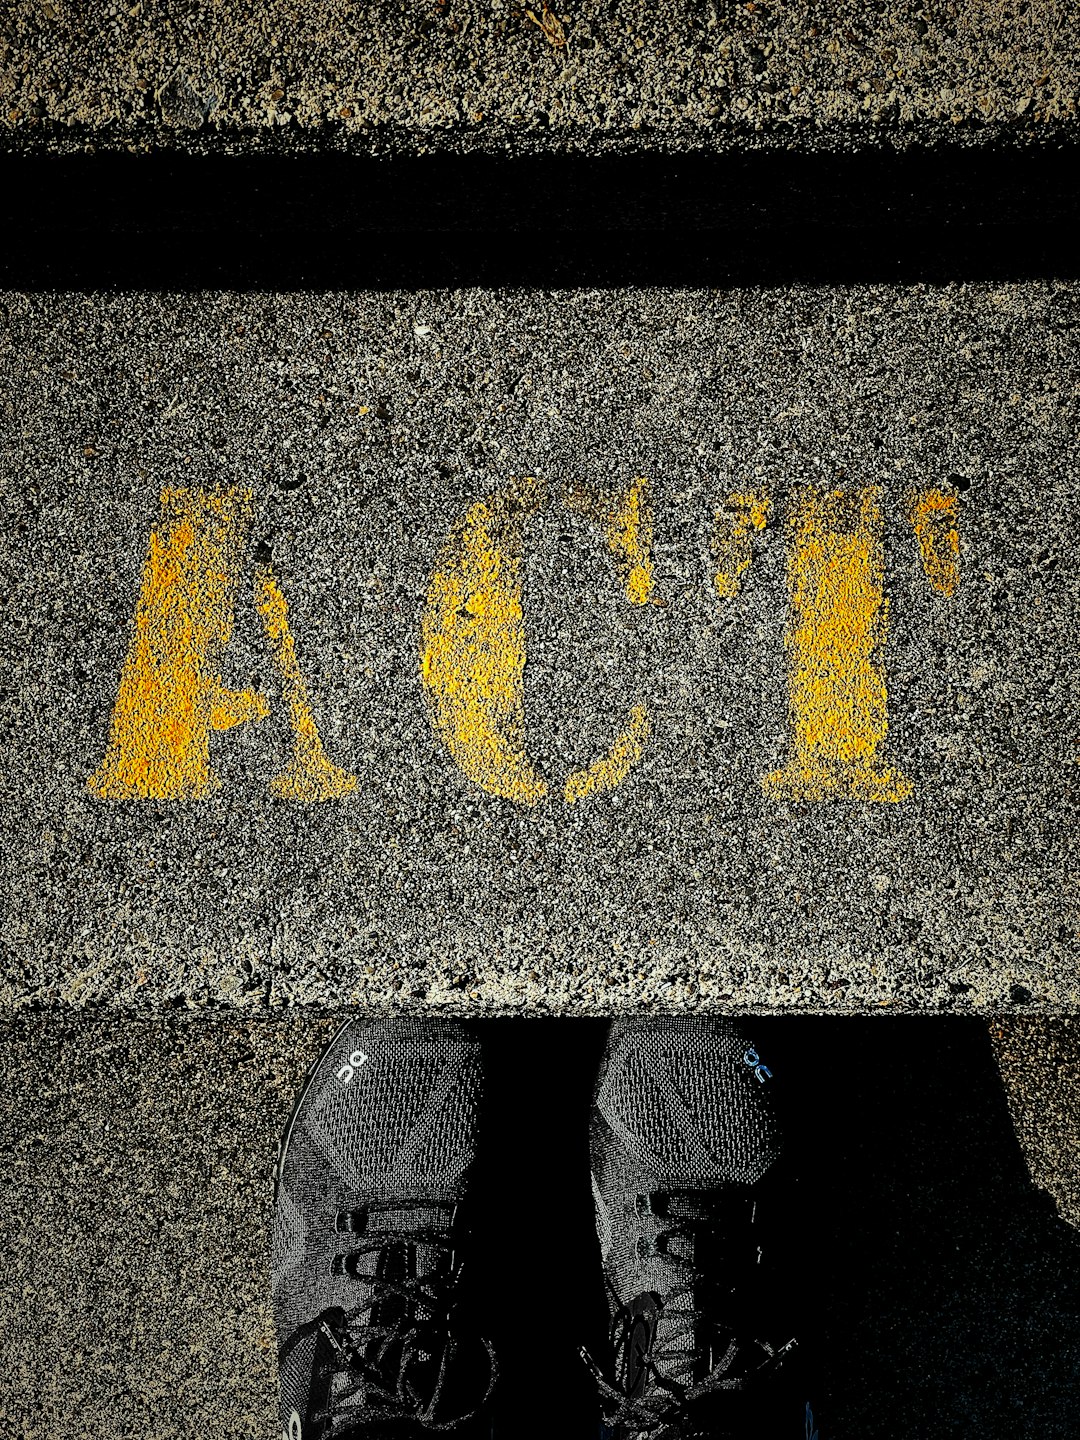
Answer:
[(678, 1108), (401, 1126)]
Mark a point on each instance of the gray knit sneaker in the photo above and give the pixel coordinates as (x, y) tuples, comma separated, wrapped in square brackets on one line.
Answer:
[(372, 1170), (684, 1139)]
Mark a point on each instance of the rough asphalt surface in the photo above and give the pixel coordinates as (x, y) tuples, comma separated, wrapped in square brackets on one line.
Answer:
[(938, 1260), (366, 426), (174, 960), (490, 75)]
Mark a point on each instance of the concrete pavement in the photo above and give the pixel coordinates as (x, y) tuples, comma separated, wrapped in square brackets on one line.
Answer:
[(545, 652), (135, 1200), (459, 75)]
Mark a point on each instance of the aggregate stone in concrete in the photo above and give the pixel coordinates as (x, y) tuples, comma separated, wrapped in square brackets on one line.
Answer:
[(135, 1201), (499, 75), (366, 426)]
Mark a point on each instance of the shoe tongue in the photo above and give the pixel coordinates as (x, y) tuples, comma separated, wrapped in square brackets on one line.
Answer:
[(702, 1249), (675, 1338), (665, 1274)]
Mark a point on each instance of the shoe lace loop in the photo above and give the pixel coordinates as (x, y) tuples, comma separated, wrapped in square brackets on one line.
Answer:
[(392, 1352), (665, 1412), (696, 1331)]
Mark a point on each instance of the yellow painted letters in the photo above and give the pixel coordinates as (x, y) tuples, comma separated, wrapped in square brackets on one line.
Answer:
[(472, 660), (835, 641), (171, 694), (732, 544)]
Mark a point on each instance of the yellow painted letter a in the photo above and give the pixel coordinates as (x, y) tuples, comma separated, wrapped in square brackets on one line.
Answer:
[(171, 694)]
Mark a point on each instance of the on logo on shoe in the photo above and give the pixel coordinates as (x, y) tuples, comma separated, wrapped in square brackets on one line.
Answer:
[(346, 1073), (753, 1059)]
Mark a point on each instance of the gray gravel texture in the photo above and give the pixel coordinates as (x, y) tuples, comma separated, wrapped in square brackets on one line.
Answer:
[(491, 75), (135, 1200), (365, 425), (135, 1203)]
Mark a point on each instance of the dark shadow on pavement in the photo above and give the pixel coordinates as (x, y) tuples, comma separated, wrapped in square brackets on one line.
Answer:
[(939, 1291)]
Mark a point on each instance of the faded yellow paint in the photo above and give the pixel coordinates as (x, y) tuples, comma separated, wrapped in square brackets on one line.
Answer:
[(611, 769), (733, 548), (171, 695), (630, 537), (933, 515), (626, 519), (835, 642), (237, 707), (472, 660), (311, 776)]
